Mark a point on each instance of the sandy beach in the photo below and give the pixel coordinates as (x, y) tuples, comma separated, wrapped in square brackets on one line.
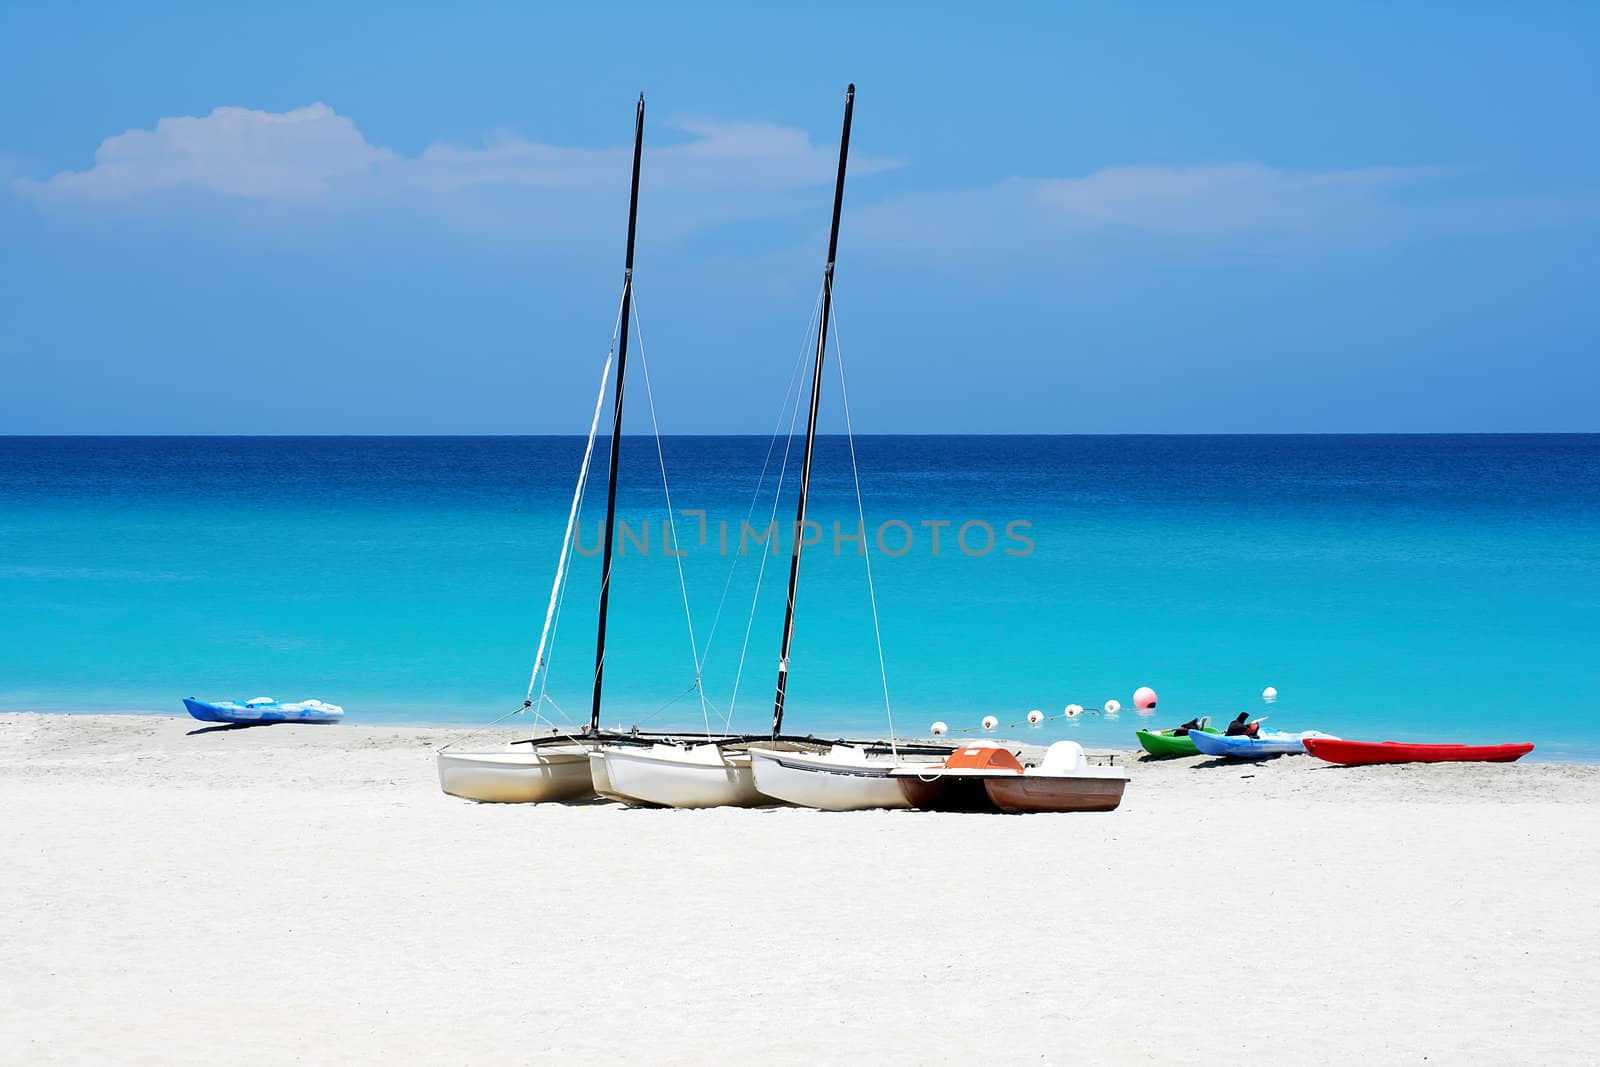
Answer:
[(305, 894)]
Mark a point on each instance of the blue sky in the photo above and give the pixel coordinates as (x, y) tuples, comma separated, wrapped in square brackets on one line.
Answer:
[(1061, 218)]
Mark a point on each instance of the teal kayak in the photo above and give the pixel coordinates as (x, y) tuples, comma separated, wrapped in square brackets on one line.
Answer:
[(1264, 744), (262, 710)]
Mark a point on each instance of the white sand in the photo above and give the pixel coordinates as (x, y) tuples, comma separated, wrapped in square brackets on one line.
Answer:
[(306, 894)]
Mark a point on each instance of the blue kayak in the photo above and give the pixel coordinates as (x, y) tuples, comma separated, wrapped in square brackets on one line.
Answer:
[(262, 710), (1267, 743)]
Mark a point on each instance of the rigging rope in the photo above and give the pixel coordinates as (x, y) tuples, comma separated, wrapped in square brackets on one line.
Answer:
[(566, 584), (755, 499), (866, 552), (485, 728), (558, 588), (572, 518), (766, 464), (672, 529), (550, 651), (772, 518)]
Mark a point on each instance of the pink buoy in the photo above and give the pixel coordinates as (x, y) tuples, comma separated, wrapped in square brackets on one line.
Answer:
[(1144, 697)]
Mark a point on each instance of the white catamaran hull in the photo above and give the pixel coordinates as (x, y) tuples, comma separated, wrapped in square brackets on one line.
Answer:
[(704, 776), (600, 771), (842, 779), (518, 777)]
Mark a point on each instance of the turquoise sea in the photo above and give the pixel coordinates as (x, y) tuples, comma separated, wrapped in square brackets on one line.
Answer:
[(1410, 587)]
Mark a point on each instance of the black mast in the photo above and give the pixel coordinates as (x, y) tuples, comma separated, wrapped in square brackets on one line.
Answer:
[(616, 421), (811, 421)]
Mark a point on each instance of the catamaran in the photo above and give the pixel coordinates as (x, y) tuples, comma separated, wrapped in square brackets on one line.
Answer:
[(749, 771), (838, 776), (556, 766), (853, 776), (712, 774)]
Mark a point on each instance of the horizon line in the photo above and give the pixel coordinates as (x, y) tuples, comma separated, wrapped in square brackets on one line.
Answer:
[(761, 436)]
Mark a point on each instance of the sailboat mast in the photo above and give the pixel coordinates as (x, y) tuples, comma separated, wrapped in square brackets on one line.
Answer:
[(616, 422), (811, 420)]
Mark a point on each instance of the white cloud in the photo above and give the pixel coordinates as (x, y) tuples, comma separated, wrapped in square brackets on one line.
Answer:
[(1205, 201), (775, 156), (315, 152), (740, 155), (1215, 199), (233, 151), (703, 172)]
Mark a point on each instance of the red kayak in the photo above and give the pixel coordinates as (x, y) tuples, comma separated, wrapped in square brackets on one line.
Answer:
[(1355, 753)]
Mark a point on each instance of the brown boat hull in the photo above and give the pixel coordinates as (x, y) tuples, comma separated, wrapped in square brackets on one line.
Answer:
[(1038, 793), (1014, 793), (946, 792)]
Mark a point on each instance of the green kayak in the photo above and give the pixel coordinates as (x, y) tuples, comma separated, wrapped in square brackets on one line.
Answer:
[(1165, 743)]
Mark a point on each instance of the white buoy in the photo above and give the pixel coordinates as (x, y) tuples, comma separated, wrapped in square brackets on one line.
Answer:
[(1269, 694), (938, 729), (1073, 710), (1036, 716), (1144, 697), (990, 722), (1112, 707)]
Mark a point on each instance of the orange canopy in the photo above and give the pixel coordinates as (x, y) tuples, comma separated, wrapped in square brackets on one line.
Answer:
[(983, 758)]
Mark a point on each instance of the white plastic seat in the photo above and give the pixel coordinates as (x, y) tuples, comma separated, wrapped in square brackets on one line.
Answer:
[(1063, 757)]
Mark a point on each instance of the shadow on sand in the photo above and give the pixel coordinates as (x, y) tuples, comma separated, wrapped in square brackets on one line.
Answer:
[(1230, 761), (227, 726)]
